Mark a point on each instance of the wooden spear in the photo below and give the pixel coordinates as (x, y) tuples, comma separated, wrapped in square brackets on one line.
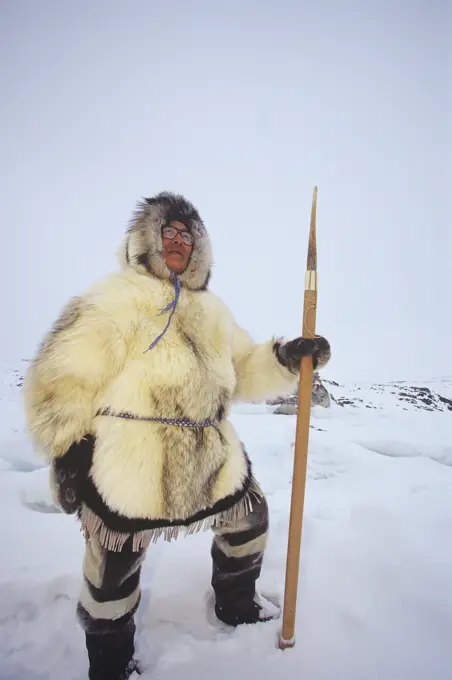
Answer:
[(287, 635)]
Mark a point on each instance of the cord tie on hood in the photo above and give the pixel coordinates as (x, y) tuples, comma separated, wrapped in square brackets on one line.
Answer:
[(170, 307)]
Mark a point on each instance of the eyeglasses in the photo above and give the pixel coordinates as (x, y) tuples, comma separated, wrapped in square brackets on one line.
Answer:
[(170, 233)]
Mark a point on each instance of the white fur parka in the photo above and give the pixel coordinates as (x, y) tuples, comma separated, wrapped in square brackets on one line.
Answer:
[(96, 357)]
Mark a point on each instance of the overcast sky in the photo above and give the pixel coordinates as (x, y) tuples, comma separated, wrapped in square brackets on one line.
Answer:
[(243, 106)]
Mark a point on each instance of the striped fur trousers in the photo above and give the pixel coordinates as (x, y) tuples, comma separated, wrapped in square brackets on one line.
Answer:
[(111, 589)]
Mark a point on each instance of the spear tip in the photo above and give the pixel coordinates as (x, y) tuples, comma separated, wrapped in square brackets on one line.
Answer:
[(312, 247)]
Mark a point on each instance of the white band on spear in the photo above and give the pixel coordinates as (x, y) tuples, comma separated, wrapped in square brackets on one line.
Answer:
[(287, 635)]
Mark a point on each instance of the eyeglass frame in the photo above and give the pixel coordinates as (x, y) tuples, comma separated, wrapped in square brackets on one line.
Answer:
[(183, 232)]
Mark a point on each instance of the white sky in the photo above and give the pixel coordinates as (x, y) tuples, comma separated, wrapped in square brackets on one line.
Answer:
[(243, 106)]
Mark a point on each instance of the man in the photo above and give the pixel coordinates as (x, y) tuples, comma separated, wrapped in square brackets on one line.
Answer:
[(128, 399)]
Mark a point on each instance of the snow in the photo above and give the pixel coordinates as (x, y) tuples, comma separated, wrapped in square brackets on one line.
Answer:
[(374, 591)]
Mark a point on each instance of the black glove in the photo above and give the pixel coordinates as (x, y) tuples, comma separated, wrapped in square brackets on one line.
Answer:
[(70, 472), (289, 354)]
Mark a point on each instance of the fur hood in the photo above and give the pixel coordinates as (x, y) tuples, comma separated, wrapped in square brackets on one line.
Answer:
[(142, 246)]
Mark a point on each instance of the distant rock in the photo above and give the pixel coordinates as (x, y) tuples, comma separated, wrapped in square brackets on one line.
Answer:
[(320, 395), (400, 394), (435, 395), (287, 406), (286, 409)]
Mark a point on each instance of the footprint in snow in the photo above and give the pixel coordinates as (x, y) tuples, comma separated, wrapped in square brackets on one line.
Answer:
[(323, 469)]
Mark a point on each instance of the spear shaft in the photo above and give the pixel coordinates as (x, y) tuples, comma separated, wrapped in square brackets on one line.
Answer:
[(287, 635)]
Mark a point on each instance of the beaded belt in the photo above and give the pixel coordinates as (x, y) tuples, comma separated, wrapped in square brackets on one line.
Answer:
[(180, 422)]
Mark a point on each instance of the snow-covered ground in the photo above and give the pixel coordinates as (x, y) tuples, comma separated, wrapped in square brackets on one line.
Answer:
[(375, 596)]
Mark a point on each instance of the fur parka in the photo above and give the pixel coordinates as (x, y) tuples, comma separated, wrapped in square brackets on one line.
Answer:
[(147, 477)]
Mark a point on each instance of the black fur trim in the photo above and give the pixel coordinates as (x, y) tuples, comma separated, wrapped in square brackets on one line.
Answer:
[(117, 522)]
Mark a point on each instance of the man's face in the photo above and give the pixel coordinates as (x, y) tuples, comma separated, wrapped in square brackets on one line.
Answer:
[(177, 246)]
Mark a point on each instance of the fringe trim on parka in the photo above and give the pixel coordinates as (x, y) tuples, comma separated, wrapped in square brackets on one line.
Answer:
[(114, 540)]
